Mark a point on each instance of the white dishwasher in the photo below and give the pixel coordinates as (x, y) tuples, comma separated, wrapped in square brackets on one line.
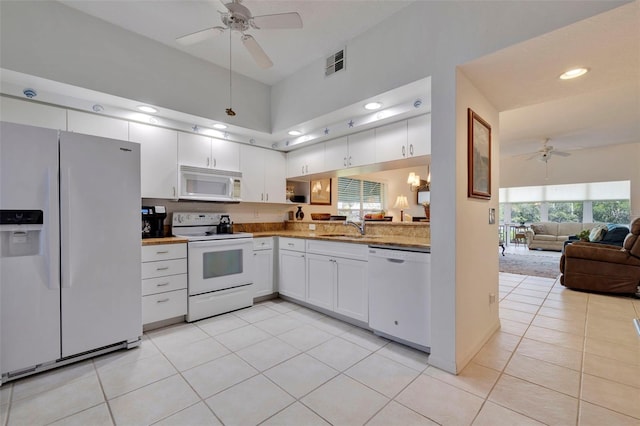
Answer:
[(399, 292)]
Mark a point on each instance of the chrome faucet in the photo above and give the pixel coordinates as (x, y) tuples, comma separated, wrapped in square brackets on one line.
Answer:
[(359, 226)]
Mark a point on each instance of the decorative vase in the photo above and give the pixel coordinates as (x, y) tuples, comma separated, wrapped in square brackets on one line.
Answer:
[(299, 213)]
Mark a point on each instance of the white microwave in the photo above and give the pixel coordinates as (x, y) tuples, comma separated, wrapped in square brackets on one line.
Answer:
[(197, 183)]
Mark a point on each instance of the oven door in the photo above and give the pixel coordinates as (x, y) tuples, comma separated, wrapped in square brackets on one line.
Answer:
[(219, 264)]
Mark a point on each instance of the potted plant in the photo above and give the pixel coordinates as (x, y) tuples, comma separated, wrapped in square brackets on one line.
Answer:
[(584, 235)]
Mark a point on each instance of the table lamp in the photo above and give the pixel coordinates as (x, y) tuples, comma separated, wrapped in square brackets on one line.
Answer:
[(401, 203)]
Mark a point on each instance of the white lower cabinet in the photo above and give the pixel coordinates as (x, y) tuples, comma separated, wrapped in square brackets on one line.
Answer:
[(292, 268), (263, 266), (164, 282), (337, 278)]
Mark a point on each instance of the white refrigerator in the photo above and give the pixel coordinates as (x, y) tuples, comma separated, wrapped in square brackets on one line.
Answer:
[(69, 248)]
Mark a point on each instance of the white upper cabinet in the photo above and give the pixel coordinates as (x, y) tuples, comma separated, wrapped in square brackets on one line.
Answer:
[(419, 135), (362, 148), (336, 154), (225, 155), (263, 175), (207, 152), (391, 142), (404, 139), (306, 161), (97, 125), (32, 114), (158, 160), (194, 150)]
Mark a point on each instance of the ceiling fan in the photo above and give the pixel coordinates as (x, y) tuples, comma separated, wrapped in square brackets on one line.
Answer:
[(239, 18), (546, 152)]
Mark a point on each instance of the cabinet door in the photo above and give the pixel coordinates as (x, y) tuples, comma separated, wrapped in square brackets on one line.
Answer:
[(194, 150), (263, 272), (97, 125), (252, 166), (314, 156), (362, 149), (275, 179), (292, 274), (32, 114), (225, 155), (158, 160), (351, 291), (295, 163), (419, 135), (391, 142), (320, 280), (336, 154)]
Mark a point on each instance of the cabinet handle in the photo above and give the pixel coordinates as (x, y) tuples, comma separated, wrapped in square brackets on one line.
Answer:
[(162, 252), (345, 161), (349, 160), (208, 161), (411, 150), (404, 154), (164, 268), (162, 284), (214, 162), (267, 196), (290, 244), (162, 300), (302, 169), (174, 192), (307, 167), (262, 197)]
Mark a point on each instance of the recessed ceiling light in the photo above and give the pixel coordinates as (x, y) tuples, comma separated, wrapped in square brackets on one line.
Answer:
[(219, 126), (148, 109), (576, 72), (373, 105), (295, 132)]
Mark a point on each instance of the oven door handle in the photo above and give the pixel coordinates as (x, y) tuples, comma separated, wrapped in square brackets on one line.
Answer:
[(221, 243)]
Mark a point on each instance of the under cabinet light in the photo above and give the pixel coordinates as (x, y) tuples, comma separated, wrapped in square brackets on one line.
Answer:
[(295, 132), (147, 109), (220, 126)]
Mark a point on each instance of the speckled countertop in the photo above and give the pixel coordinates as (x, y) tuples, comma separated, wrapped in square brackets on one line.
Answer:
[(421, 243)]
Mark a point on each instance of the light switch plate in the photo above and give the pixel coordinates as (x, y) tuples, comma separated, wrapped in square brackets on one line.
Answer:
[(492, 216), (312, 227)]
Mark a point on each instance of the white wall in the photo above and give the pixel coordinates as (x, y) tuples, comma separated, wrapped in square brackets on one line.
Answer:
[(611, 163), (431, 39), (50, 40)]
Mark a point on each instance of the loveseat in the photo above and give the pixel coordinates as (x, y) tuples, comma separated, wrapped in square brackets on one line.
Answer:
[(602, 267), (552, 235)]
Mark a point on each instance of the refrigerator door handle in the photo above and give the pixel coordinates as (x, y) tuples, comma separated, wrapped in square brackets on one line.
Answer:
[(52, 280), (66, 222)]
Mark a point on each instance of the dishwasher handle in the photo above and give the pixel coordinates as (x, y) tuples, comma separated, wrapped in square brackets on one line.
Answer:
[(395, 260)]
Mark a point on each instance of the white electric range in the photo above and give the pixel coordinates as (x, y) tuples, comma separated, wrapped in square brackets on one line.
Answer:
[(220, 265)]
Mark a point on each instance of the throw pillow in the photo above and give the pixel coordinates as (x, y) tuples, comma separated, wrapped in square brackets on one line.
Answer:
[(597, 233), (537, 229)]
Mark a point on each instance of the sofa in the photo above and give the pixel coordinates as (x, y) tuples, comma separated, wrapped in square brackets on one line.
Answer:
[(552, 235), (603, 267)]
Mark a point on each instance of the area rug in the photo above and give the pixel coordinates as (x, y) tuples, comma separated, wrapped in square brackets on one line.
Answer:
[(530, 264)]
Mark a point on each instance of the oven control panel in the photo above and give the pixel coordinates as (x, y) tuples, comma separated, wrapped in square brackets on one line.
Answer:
[(196, 219)]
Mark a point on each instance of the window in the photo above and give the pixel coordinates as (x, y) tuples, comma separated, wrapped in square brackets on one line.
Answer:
[(565, 212), (616, 211), (525, 212), (357, 198)]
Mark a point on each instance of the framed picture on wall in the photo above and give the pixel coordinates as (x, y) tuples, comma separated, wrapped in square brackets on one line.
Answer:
[(479, 157), (320, 192)]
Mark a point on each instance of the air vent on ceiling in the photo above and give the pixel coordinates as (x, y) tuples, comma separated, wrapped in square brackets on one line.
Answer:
[(335, 63)]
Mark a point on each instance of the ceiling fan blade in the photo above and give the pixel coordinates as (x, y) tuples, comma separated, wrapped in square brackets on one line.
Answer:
[(561, 153), (278, 21), (256, 51), (199, 36)]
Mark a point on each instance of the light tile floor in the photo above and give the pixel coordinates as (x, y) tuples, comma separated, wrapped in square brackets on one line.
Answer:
[(561, 357)]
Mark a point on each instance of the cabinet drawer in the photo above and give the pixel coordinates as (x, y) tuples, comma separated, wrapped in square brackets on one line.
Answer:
[(163, 252), (295, 244), (162, 306), (164, 284), (346, 250), (163, 268), (263, 243)]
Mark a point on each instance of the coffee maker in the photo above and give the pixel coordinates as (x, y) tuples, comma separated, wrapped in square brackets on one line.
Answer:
[(153, 221)]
